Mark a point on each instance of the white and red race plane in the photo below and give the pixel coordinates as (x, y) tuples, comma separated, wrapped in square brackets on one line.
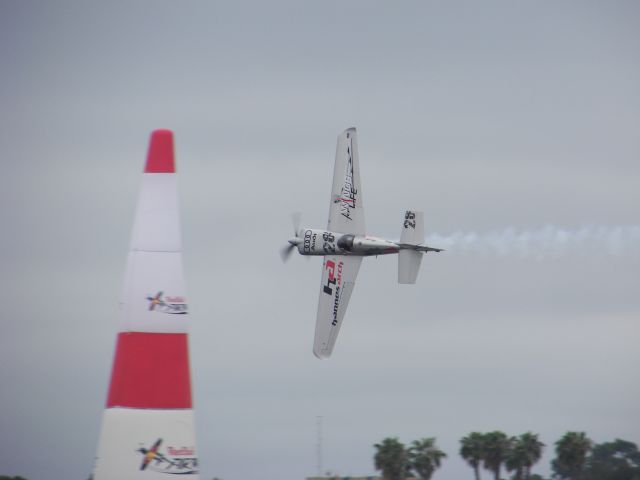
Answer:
[(344, 243)]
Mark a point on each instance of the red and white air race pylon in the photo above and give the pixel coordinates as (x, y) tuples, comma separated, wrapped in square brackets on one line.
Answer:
[(148, 426)]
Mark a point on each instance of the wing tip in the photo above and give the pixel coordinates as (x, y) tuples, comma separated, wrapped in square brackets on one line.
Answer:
[(321, 354)]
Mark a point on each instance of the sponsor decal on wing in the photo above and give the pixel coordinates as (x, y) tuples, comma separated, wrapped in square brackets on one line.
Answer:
[(334, 280), (347, 198), (175, 460), (173, 305)]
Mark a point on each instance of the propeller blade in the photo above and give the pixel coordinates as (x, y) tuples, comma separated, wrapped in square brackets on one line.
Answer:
[(295, 220), (285, 252)]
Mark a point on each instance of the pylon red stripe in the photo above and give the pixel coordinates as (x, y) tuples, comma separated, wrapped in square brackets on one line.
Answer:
[(160, 156), (150, 370)]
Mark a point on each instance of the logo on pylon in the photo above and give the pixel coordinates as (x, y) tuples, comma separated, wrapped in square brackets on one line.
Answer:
[(178, 461), (173, 305)]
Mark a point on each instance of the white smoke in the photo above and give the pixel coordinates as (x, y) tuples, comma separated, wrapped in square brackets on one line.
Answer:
[(548, 241)]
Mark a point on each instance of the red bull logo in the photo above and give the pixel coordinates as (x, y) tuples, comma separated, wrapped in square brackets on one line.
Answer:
[(173, 305), (176, 460)]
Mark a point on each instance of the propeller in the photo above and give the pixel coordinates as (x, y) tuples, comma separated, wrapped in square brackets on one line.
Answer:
[(295, 221), (285, 252)]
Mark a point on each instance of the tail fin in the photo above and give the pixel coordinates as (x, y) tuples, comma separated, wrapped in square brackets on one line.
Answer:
[(413, 228), (412, 235)]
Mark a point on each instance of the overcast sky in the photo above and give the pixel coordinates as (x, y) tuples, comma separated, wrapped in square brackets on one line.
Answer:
[(498, 119)]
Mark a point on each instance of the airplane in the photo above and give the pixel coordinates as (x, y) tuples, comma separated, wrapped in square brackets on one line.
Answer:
[(344, 243), (151, 454)]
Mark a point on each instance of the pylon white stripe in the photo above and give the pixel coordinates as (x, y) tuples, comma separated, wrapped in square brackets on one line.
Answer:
[(157, 221), (130, 434), (154, 297)]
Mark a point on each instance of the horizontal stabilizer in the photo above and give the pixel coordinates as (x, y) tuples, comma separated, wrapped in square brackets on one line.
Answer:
[(411, 247), (419, 248), (408, 265)]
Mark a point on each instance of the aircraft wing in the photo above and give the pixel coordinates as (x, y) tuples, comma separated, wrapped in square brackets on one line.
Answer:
[(339, 274), (346, 214)]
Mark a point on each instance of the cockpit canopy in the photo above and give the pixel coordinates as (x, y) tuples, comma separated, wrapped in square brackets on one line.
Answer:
[(345, 242)]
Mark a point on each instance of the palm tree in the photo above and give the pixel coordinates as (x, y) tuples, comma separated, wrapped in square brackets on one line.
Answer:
[(472, 450), (526, 450), (533, 448), (517, 459), (615, 460), (496, 450), (571, 456), (392, 459), (425, 457)]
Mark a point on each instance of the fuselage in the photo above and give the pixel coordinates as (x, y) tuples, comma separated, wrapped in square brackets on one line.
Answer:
[(323, 242)]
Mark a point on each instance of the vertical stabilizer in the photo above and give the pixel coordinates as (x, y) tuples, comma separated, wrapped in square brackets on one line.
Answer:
[(412, 235), (148, 428), (413, 228)]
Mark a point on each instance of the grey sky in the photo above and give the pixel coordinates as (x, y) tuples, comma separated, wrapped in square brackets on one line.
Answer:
[(486, 115)]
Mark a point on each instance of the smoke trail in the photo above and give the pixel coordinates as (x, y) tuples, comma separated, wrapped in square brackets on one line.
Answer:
[(548, 241)]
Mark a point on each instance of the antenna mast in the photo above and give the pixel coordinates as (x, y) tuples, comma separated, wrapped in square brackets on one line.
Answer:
[(319, 420)]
